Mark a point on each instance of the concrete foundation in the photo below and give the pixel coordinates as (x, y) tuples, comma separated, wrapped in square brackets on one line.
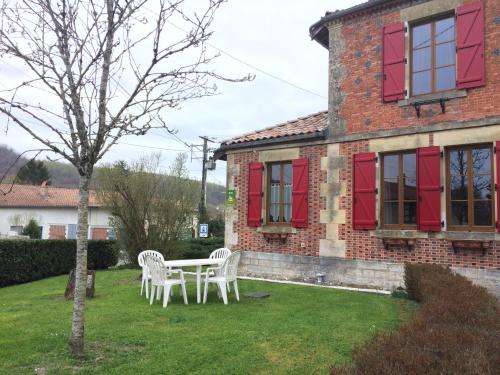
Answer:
[(345, 272)]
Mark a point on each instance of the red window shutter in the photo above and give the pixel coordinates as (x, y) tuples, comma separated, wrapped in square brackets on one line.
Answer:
[(429, 189), (470, 45), (497, 185), (394, 61), (300, 188), (254, 194), (364, 192)]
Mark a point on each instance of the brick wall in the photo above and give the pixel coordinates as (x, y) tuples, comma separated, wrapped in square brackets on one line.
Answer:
[(361, 83), (306, 240), (364, 245)]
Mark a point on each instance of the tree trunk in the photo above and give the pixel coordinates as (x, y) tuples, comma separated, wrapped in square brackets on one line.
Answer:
[(77, 325)]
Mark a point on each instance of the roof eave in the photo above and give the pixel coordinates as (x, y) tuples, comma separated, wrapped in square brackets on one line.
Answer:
[(221, 152), (319, 31)]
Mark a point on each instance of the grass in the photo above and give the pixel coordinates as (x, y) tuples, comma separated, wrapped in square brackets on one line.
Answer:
[(297, 330)]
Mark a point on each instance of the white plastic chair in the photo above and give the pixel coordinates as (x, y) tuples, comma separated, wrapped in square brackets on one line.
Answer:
[(221, 253), (224, 274), (145, 272), (160, 279)]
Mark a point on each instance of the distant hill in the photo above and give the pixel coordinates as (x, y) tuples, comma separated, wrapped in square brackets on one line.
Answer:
[(65, 175)]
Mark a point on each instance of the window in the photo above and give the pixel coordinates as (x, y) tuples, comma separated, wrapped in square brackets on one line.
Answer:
[(433, 56), (469, 172), (399, 190), (279, 194), (17, 229)]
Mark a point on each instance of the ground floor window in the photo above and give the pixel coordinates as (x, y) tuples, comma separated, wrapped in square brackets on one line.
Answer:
[(470, 186), (279, 194), (399, 190)]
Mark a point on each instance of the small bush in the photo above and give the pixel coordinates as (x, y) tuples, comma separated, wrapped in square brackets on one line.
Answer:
[(27, 260), (202, 247), (456, 330), (32, 229)]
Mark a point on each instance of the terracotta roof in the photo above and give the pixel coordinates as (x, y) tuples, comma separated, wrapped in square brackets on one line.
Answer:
[(42, 196), (303, 125)]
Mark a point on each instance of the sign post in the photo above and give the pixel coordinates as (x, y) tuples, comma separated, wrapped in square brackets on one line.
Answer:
[(203, 230)]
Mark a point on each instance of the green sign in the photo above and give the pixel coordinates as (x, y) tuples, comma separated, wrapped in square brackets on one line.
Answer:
[(230, 197)]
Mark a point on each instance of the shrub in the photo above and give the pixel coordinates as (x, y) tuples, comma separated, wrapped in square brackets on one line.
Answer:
[(27, 260), (32, 229), (202, 247), (456, 330)]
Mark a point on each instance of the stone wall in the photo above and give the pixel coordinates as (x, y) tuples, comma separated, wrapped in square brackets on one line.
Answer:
[(344, 272), (338, 271)]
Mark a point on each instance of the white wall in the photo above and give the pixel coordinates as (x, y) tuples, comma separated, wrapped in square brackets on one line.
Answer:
[(48, 216)]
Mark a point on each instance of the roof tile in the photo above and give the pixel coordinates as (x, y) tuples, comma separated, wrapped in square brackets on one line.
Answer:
[(303, 125), (42, 196)]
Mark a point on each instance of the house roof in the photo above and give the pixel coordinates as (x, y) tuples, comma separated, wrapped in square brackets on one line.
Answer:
[(316, 122), (319, 31), (42, 196), (304, 128)]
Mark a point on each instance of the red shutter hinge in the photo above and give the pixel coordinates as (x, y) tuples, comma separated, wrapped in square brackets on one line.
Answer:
[(376, 159), (262, 194), (376, 190), (441, 189), (262, 166), (495, 149), (406, 92), (376, 223), (441, 154), (406, 29), (406, 60), (442, 224)]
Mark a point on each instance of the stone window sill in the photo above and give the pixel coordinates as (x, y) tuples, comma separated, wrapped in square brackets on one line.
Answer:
[(446, 95), (398, 234), (277, 229)]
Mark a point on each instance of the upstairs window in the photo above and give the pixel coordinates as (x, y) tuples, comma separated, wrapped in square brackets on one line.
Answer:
[(280, 193), (399, 190), (470, 188), (433, 54)]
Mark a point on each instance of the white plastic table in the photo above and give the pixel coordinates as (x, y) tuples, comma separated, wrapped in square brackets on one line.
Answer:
[(198, 263)]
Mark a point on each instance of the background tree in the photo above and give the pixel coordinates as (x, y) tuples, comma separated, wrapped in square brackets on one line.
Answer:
[(32, 229), (150, 209), (106, 69), (34, 172)]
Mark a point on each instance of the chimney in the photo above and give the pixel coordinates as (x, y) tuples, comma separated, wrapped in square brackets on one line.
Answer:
[(44, 189)]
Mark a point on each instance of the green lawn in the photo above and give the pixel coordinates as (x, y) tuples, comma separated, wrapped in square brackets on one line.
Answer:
[(298, 330)]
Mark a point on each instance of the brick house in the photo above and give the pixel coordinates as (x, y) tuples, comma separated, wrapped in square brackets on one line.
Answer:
[(402, 166)]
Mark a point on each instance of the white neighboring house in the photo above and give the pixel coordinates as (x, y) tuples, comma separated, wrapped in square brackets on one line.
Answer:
[(54, 209)]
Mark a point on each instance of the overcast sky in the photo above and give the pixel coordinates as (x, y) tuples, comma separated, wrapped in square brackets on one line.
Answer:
[(270, 35)]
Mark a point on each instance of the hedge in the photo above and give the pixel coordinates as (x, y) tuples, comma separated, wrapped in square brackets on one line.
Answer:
[(455, 331), (27, 260)]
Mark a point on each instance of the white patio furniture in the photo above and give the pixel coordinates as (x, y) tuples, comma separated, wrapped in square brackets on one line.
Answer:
[(160, 278), (198, 263), (146, 276), (224, 274), (221, 253)]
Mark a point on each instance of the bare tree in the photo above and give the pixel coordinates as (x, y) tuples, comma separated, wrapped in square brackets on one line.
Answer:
[(150, 210), (98, 71)]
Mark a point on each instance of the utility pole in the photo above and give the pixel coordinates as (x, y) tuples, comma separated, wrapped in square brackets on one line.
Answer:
[(202, 210)]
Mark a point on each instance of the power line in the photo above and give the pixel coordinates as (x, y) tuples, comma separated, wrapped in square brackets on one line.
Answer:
[(241, 61)]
